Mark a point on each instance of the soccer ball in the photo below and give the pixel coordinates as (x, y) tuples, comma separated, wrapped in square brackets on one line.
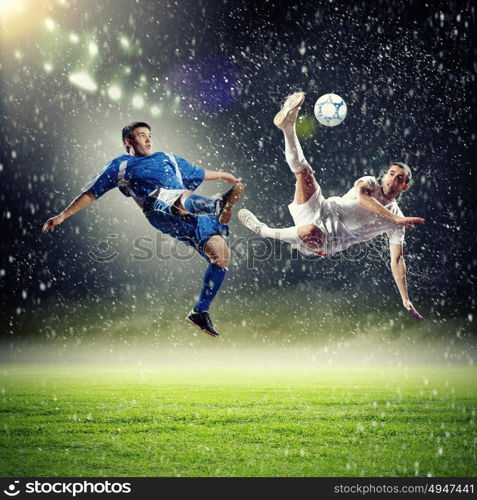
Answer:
[(330, 110)]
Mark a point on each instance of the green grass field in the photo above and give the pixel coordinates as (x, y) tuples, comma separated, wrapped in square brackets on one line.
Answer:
[(249, 420)]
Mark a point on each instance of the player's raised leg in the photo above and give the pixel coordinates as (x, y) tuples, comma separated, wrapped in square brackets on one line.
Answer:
[(222, 207), (285, 120), (307, 235), (218, 252), (305, 187)]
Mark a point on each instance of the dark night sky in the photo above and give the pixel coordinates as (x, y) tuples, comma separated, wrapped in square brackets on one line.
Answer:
[(211, 76)]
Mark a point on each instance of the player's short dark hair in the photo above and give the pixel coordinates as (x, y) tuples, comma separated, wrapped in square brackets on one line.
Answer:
[(129, 129)]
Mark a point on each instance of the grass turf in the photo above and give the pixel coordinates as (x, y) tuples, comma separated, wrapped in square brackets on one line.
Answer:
[(237, 421)]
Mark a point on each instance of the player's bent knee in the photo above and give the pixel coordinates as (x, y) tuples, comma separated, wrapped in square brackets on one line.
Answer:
[(309, 231), (224, 257), (219, 260), (311, 235), (222, 263), (218, 251)]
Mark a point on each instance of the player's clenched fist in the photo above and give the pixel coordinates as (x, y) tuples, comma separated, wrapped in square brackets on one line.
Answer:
[(52, 222)]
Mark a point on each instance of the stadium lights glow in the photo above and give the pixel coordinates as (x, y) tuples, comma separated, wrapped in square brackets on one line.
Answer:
[(18, 17), (92, 49), (124, 42), (49, 24), (138, 102), (11, 7), (114, 92), (83, 81)]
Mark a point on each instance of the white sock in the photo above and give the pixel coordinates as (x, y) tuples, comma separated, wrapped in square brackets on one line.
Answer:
[(293, 153), (287, 234)]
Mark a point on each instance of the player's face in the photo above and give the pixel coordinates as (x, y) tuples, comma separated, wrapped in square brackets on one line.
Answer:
[(394, 181), (141, 141)]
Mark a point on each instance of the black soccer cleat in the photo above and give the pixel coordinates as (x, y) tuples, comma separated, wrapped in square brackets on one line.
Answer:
[(227, 201), (203, 321)]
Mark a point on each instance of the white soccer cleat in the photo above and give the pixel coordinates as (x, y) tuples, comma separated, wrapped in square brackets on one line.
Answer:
[(249, 220), (288, 114)]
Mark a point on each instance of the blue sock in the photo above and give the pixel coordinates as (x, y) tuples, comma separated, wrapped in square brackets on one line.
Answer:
[(197, 205), (213, 277)]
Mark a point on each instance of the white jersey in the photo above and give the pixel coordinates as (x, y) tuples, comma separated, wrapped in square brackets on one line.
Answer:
[(344, 221)]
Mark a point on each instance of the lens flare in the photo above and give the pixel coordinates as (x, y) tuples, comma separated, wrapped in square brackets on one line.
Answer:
[(18, 17), (138, 102), (11, 7), (114, 93), (83, 81)]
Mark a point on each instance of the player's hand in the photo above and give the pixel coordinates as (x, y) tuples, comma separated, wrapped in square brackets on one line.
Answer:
[(52, 222), (408, 222), (412, 310), (230, 178)]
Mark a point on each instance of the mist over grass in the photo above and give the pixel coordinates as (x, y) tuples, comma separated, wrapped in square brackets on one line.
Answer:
[(297, 325)]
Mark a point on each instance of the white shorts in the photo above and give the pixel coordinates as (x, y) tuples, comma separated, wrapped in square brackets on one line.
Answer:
[(168, 196), (310, 213)]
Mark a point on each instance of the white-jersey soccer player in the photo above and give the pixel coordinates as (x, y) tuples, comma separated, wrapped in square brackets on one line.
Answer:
[(325, 226)]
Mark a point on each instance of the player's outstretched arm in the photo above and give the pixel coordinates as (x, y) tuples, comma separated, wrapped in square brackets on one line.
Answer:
[(398, 268), (80, 202), (408, 222), (372, 205), (213, 175)]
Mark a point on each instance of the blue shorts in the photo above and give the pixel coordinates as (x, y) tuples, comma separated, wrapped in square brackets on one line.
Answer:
[(193, 230)]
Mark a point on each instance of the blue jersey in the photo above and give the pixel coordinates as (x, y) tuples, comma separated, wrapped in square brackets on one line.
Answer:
[(141, 176), (158, 180)]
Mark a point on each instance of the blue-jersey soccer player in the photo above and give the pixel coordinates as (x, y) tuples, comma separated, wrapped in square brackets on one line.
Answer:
[(162, 185)]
